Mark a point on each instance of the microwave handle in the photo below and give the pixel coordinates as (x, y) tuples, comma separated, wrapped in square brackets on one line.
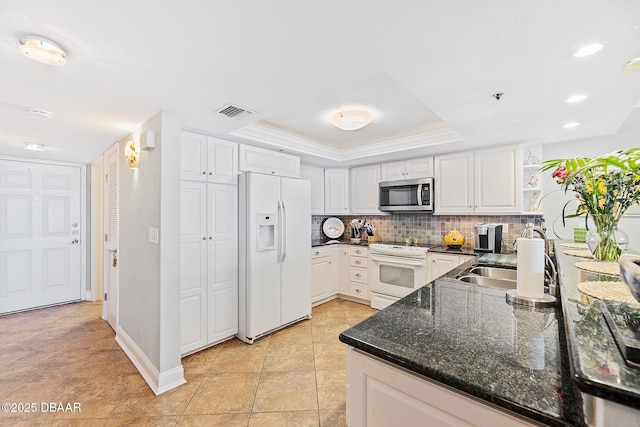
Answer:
[(419, 194)]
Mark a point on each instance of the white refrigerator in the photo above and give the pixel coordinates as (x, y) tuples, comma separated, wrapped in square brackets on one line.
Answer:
[(275, 251)]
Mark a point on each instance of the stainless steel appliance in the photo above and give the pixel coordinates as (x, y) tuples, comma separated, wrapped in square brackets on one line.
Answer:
[(488, 238), (396, 271), (406, 195)]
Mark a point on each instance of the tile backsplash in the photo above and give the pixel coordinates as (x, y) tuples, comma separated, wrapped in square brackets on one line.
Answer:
[(429, 229)]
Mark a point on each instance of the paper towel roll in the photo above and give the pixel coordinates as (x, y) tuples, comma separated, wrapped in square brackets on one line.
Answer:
[(530, 273)]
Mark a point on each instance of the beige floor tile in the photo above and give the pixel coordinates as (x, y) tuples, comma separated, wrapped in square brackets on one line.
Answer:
[(289, 357), (329, 318), (332, 390), (328, 333), (222, 420), (333, 418), (200, 362), (286, 391), (299, 333), (144, 422), (285, 419), (357, 316), (224, 393), (330, 355)]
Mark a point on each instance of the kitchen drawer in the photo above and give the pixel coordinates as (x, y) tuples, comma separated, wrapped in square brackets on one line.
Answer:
[(358, 251), (317, 254), (359, 275), (357, 261), (359, 290)]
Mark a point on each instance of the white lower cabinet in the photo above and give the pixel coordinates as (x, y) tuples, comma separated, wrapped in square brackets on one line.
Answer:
[(208, 264), (379, 394), (339, 270), (440, 264)]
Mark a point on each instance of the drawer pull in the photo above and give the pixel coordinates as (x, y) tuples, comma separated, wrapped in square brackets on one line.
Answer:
[(359, 291), (358, 251), (316, 253), (358, 262), (358, 275)]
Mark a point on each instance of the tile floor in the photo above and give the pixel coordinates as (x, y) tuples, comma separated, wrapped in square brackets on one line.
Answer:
[(68, 355)]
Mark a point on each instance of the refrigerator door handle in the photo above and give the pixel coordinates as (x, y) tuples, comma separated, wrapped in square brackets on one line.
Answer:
[(279, 232), (284, 232)]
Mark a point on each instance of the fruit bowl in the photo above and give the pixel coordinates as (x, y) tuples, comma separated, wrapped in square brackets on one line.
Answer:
[(453, 239)]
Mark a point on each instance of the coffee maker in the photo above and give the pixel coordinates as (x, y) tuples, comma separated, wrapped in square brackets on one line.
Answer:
[(488, 238)]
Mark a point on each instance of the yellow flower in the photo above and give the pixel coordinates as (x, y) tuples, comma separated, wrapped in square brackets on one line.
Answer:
[(602, 188)]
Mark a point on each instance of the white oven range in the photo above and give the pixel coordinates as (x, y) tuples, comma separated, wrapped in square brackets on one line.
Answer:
[(396, 271)]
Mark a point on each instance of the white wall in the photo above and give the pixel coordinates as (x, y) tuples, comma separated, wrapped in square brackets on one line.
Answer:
[(627, 136), (149, 294)]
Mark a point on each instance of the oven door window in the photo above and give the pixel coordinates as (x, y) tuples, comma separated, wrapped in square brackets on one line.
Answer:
[(397, 276), (406, 195)]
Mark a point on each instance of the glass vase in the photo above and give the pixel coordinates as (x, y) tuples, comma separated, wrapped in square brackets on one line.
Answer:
[(606, 242)]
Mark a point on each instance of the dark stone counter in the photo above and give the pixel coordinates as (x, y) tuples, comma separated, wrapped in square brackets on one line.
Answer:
[(597, 366), (469, 338)]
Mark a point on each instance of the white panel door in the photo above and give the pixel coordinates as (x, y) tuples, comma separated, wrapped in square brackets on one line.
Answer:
[(193, 268), (110, 223), (336, 191), (222, 163), (39, 235), (498, 180), (296, 265), (364, 189), (454, 183), (222, 255), (193, 156)]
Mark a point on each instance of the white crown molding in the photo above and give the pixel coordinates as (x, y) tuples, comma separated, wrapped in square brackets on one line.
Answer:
[(299, 144)]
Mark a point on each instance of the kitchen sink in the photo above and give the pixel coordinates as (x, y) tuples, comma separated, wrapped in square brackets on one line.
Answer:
[(498, 273), (492, 282)]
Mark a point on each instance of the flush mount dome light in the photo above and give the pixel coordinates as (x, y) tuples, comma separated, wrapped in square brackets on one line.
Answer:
[(589, 49), (42, 50), (351, 119), (33, 146)]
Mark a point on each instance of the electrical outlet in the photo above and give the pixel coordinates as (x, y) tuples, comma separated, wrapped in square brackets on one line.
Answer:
[(505, 228), (154, 235)]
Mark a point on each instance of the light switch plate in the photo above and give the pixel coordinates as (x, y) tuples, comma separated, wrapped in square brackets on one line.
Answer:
[(154, 235)]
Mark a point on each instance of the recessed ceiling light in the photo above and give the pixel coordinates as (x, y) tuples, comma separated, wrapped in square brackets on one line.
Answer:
[(42, 50), (576, 98), (37, 113), (589, 49), (351, 119), (571, 125), (33, 146)]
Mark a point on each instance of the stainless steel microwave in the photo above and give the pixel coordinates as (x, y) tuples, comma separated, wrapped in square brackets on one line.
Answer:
[(408, 195)]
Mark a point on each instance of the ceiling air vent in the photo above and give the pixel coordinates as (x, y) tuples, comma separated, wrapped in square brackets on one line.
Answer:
[(235, 112)]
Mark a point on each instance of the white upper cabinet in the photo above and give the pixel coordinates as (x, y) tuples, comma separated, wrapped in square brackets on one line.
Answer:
[(364, 189), (254, 159), (407, 169), (483, 181), (498, 180), (208, 159), (336, 191), (316, 176), (453, 183)]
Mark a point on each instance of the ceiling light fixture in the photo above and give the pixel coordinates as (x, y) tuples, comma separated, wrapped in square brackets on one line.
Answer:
[(42, 50), (33, 146), (37, 113), (576, 98), (351, 119), (571, 125), (589, 49)]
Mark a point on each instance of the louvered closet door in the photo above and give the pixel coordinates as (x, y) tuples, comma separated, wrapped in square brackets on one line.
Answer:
[(111, 235), (40, 255)]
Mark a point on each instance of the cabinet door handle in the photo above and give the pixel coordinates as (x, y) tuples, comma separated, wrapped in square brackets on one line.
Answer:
[(204, 172), (210, 173), (204, 238), (359, 291), (358, 275), (358, 262), (316, 253), (358, 251)]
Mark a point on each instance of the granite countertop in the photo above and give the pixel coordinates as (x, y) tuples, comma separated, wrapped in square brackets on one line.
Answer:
[(597, 366), (469, 338), (432, 248)]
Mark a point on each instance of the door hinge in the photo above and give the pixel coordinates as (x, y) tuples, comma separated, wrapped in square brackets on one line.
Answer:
[(105, 296), (106, 178)]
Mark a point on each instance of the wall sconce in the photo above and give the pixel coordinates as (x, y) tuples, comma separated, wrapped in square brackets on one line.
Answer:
[(132, 154)]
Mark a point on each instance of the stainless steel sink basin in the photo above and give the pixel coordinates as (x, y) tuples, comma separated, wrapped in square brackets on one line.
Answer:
[(498, 273), (492, 282)]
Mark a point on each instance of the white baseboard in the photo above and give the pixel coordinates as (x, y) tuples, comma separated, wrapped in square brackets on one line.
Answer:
[(159, 382)]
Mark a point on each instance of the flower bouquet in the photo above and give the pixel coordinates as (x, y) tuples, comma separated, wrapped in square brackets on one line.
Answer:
[(605, 187)]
